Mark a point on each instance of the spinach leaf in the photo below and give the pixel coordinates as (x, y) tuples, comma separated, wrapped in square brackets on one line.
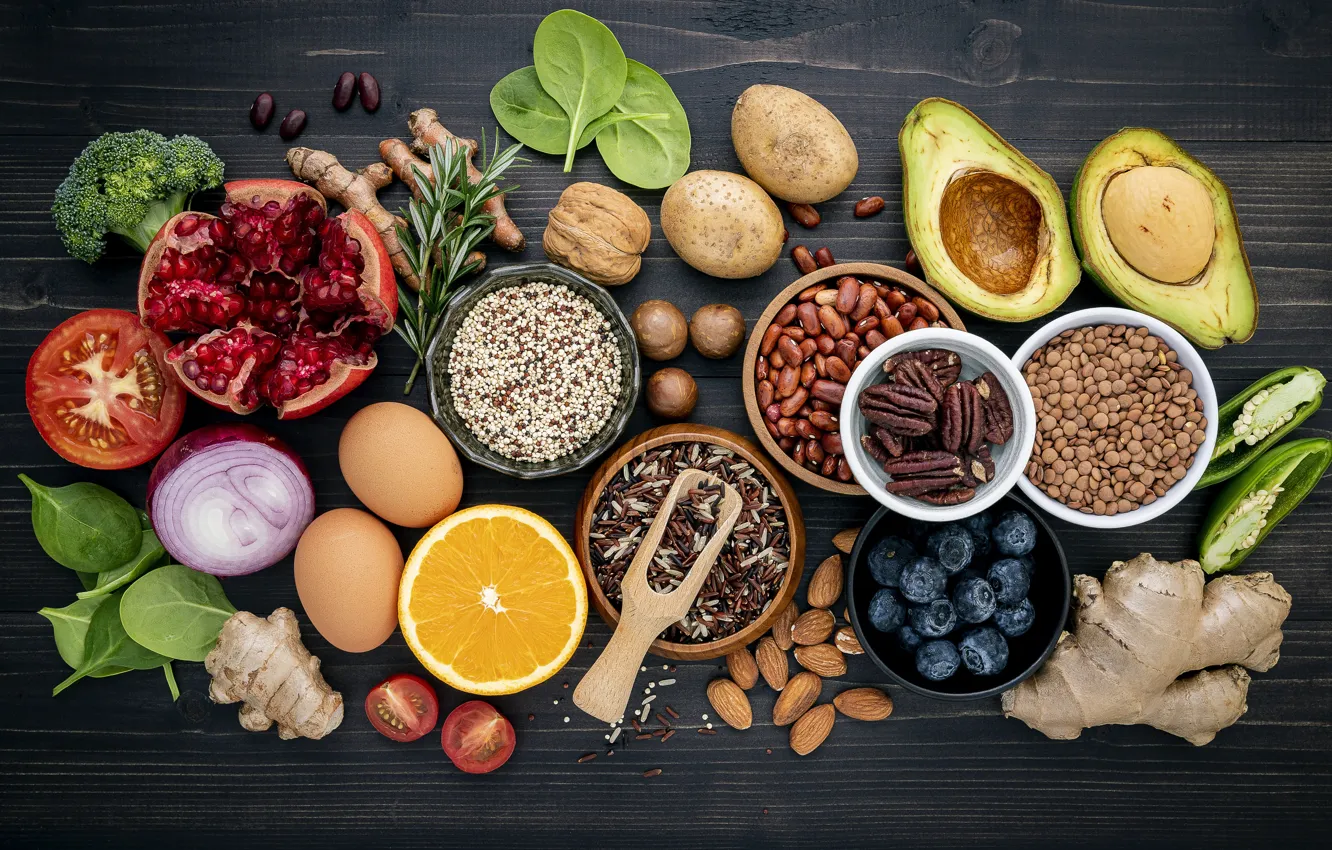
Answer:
[(531, 116), (88, 580), (107, 645), (150, 555), (70, 625), (581, 66), (176, 611), (171, 681), (83, 526), (647, 153)]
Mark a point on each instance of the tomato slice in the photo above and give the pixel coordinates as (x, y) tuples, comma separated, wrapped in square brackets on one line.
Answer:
[(99, 391), (402, 707), (477, 738)]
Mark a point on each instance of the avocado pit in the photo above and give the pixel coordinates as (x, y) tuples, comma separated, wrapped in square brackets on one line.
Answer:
[(1160, 220), (991, 228)]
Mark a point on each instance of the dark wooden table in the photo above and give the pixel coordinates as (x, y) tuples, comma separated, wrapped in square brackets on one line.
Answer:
[(1245, 86)]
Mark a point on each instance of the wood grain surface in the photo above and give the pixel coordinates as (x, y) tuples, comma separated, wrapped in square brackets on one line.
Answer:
[(1244, 85)]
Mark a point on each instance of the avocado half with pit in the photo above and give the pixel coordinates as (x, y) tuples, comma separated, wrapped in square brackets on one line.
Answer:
[(989, 227), (1157, 230)]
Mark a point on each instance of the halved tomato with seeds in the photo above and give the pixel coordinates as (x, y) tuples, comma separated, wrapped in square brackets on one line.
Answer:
[(99, 391)]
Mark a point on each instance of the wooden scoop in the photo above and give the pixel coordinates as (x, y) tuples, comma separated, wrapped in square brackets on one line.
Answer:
[(645, 613)]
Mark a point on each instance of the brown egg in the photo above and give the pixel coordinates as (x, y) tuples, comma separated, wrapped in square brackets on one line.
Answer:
[(400, 465), (348, 565)]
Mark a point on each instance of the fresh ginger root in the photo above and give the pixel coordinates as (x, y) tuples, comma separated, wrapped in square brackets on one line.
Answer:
[(1137, 632), (426, 132), (264, 664)]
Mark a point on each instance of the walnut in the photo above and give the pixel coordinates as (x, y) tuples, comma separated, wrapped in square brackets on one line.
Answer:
[(598, 232)]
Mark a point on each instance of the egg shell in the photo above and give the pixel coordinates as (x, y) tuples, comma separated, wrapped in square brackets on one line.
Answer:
[(348, 566), (400, 465)]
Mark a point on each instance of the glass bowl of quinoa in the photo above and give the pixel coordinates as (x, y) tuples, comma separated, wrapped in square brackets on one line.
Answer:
[(534, 371)]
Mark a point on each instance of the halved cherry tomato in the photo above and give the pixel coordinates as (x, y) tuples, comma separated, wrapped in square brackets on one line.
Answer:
[(99, 392), (402, 707), (477, 738)]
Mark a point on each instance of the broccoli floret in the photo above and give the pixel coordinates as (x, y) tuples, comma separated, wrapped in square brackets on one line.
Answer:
[(130, 183)]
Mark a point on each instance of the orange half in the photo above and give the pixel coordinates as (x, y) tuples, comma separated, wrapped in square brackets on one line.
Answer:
[(492, 600)]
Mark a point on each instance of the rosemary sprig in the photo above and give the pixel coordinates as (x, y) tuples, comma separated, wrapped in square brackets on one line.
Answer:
[(445, 223)]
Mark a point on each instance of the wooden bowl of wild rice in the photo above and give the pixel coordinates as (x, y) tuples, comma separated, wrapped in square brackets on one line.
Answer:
[(759, 568)]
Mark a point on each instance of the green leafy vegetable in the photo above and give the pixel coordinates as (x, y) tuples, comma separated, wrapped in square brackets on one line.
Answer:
[(171, 681), (646, 151), (150, 555), (107, 646), (70, 625), (84, 526), (581, 66), (176, 612), (533, 117)]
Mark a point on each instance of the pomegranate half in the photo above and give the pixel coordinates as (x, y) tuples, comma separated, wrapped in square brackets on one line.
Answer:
[(283, 303)]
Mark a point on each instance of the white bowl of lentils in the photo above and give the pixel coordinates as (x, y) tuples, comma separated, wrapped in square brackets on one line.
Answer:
[(534, 371), (1152, 423)]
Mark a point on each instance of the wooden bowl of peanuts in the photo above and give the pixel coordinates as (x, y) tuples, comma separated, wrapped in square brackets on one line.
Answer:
[(825, 324)]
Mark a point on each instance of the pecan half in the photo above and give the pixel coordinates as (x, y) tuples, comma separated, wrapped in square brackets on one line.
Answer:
[(950, 419), (978, 467), (998, 412), (919, 487), (973, 418), (918, 464), (905, 410), (874, 448), (952, 496), (916, 374), (894, 444), (946, 365)]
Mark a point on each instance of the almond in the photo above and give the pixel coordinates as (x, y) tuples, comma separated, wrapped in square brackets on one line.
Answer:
[(845, 639), (864, 704), (812, 729), (744, 672), (825, 587), (730, 703), (845, 539), (821, 658), (781, 626), (813, 626), (795, 699), (772, 663)]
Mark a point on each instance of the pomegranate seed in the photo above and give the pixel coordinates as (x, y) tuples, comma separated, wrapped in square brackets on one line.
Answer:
[(190, 369), (187, 225), (219, 384)]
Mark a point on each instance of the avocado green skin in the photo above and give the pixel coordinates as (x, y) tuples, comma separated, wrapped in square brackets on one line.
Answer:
[(1312, 456), (1232, 463), (1195, 335)]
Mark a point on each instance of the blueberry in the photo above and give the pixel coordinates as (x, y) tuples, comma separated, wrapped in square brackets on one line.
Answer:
[(924, 580), (909, 639), (887, 559), (1014, 534), (979, 525), (974, 600), (1011, 579), (952, 547), (1014, 620), (984, 651), (885, 611), (936, 660), (919, 529), (934, 619)]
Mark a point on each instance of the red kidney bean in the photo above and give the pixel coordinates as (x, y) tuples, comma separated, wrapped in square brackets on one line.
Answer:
[(344, 90), (784, 315), (261, 111), (809, 317), (906, 313), (786, 443), (925, 309), (772, 429), (846, 351), (821, 364), (786, 426), (912, 264), (825, 344), (824, 258), (764, 393), (832, 443), (895, 299), (789, 349), (866, 207), (761, 368), (791, 406), (773, 412), (820, 404), (918, 323), (829, 466), (807, 375), (843, 470), (874, 339), (868, 323), (865, 298), (776, 360), (806, 215), (808, 293), (292, 125), (832, 321), (798, 453), (808, 349), (882, 289), (770, 337), (881, 309), (787, 380), (814, 451), (369, 91), (838, 370), (829, 391), (823, 420), (806, 429), (863, 351), (805, 411), (804, 260), (795, 332), (785, 235), (852, 336), (890, 327), (848, 291)]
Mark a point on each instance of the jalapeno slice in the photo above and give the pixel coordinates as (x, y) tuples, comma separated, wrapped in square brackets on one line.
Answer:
[(1256, 419), (1251, 506)]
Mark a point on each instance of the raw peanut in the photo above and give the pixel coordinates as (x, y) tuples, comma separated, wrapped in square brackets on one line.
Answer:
[(812, 729), (806, 215), (813, 626), (742, 667), (865, 298), (787, 381), (845, 640), (730, 703), (848, 294), (792, 404), (866, 207), (823, 420), (343, 90), (906, 314), (838, 370), (825, 586), (826, 344), (807, 375), (895, 299), (918, 323), (809, 318), (804, 261), (890, 327), (801, 692), (784, 315), (770, 339), (864, 704), (781, 626), (829, 391), (868, 323), (824, 258), (771, 661), (822, 659), (832, 321), (764, 393), (925, 309), (827, 296)]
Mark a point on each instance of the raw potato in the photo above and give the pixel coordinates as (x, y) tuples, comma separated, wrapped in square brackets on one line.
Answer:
[(722, 224), (717, 330), (792, 145), (660, 329)]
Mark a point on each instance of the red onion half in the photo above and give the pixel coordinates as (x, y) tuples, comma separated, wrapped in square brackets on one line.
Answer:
[(229, 499)]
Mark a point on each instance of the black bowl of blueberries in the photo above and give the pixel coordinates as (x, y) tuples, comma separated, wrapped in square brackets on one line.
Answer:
[(959, 610)]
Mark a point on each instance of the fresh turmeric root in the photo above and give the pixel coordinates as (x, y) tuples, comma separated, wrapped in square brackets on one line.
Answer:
[(262, 663), (1137, 632)]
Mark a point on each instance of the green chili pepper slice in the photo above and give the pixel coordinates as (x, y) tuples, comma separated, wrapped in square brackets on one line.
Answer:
[(1256, 419), (1251, 506)]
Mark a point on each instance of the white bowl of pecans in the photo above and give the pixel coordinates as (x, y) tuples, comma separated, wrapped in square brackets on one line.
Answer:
[(1125, 417), (937, 424)]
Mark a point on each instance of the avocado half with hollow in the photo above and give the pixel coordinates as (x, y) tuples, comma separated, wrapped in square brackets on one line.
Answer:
[(989, 227), (1157, 230)]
